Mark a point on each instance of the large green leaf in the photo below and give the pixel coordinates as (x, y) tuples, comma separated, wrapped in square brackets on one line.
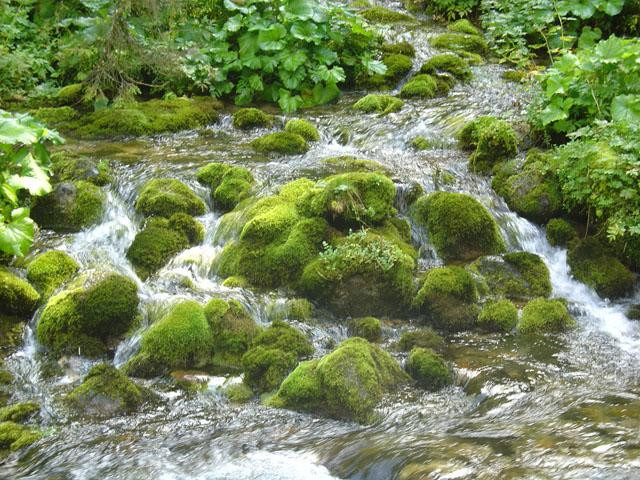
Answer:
[(626, 108), (16, 236), (272, 38)]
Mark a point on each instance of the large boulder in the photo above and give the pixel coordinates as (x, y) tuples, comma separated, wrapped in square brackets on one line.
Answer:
[(70, 207), (17, 296)]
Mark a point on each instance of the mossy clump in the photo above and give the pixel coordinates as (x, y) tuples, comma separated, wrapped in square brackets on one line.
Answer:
[(367, 327), (55, 116), (499, 316), (448, 299), (593, 265), (248, 118), (70, 168), (347, 163), (460, 228), (233, 330), (346, 384), (381, 104), (165, 196), (428, 369), (517, 275), (423, 86), (14, 436), (447, 63), (235, 281), (17, 296), (70, 207), (560, 232), (304, 128), (229, 184), (86, 316), (238, 393), (70, 94), (298, 309), (50, 270), (18, 412), (404, 48), (273, 354), (182, 339), (421, 143), (516, 76), (105, 392), (545, 316), (461, 42), (286, 143), (397, 66), (463, 26), (423, 338), (380, 14), (491, 140)]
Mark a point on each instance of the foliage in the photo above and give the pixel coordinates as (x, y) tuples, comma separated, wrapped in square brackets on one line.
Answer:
[(24, 172), (447, 9)]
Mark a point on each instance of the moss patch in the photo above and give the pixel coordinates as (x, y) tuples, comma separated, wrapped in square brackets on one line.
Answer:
[(404, 48), (248, 118), (368, 328), (69, 168), (382, 104), (304, 128), (463, 26), (491, 140), (428, 369), (17, 296), (50, 270), (544, 316), (424, 86), (500, 316), (385, 15), (285, 143), (165, 196), (14, 436), (423, 338), (447, 63), (461, 42), (18, 412), (229, 184), (560, 232)]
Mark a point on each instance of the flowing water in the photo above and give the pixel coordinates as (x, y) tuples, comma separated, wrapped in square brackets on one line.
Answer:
[(566, 407)]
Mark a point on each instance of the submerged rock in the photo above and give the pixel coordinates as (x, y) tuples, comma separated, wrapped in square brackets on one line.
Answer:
[(70, 207), (545, 316), (50, 270), (17, 296), (165, 196), (69, 168), (423, 338), (428, 369)]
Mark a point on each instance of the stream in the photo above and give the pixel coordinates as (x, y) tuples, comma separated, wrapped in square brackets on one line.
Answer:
[(561, 407)]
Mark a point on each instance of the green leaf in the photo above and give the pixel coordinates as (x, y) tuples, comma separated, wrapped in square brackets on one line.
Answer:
[(271, 39), (293, 60), (302, 9), (613, 7), (13, 131), (552, 113), (289, 103), (233, 24), (626, 108), (304, 31), (324, 93), (16, 236)]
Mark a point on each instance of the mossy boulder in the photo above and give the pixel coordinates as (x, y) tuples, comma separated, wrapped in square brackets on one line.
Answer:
[(229, 184), (367, 327), (428, 369), (560, 232), (14, 436), (19, 412), (463, 26), (233, 330), (517, 275), (88, 315), (404, 48), (105, 392), (55, 116), (70, 94), (447, 63), (461, 42), (304, 128), (69, 168), (285, 143), (421, 143), (447, 299), (423, 338), (346, 384), (17, 296), (381, 104), (593, 265), (248, 118), (70, 207), (498, 316), (423, 86), (398, 65), (50, 270), (238, 393), (459, 227), (182, 339), (545, 316), (299, 309), (380, 14), (491, 140), (165, 196)]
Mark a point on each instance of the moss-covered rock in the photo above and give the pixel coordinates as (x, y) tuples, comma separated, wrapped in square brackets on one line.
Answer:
[(11, 336), (18, 412), (560, 232), (423, 86), (463, 26), (229, 184), (70, 207), (592, 264), (347, 163), (459, 227), (233, 330), (17, 296), (382, 104), (380, 14), (397, 66), (367, 327), (542, 316), (69, 168), (50, 270), (105, 392), (235, 281), (421, 143), (461, 42), (165, 196), (428, 369), (423, 338), (304, 128), (299, 309), (70, 94), (83, 318), (248, 118), (499, 316), (286, 143), (447, 299), (14, 436), (238, 393), (345, 384), (491, 140), (404, 48), (517, 275), (633, 312), (182, 339), (55, 116), (447, 63)]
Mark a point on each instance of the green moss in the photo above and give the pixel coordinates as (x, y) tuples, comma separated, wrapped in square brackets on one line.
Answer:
[(17, 296), (238, 393), (346, 384), (423, 338), (367, 327), (424, 86), (346, 163), (165, 196), (50, 270), (284, 337), (55, 116), (516, 76), (428, 369), (593, 265), (463, 26), (421, 143), (15, 437), (560, 232), (459, 227), (304, 128), (181, 339), (84, 317), (403, 48), (447, 298), (299, 309), (285, 143), (69, 168), (541, 315), (229, 184), (233, 330), (398, 65), (447, 63), (18, 412), (491, 140), (70, 94), (500, 316), (235, 281), (382, 104), (385, 15), (70, 207), (106, 391), (248, 118), (188, 226), (461, 42), (265, 368)]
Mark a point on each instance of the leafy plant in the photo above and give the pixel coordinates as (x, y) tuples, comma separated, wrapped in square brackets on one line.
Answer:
[(447, 9), (24, 173)]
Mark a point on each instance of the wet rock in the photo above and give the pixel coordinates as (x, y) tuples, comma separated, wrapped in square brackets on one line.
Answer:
[(304, 128), (428, 369), (285, 143), (368, 328), (70, 168), (499, 316), (14, 436), (50, 270), (249, 118), (447, 63), (560, 232), (229, 184), (381, 104), (165, 196), (491, 140), (70, 207), (545, 316), (461, 42), (17, 296), (423, 338)]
